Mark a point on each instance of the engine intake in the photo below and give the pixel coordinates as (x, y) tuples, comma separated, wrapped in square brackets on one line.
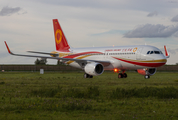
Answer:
[(94, 68), (150, 71)]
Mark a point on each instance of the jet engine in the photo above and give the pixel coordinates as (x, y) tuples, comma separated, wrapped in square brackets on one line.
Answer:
[(94, 68), (147, 71)]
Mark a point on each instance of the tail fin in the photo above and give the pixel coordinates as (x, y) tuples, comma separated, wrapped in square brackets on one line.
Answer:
[(60, 39)]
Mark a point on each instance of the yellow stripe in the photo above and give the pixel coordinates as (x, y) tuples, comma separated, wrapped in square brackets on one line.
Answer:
[(69, 62), (81, 57), (161, 60), (53, 52), (60, 54)]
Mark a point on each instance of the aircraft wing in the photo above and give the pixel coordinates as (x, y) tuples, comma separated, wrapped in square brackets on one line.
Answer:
[(54, 54), (105, 63)]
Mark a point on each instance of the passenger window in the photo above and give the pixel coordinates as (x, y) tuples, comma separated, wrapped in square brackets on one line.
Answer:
[(148, 52), (151, 52)]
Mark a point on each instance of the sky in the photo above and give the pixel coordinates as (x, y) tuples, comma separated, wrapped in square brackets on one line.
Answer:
[(27, 25)]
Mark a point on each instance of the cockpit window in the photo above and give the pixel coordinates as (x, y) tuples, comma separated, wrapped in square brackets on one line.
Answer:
[(151, 52), (154, 52)]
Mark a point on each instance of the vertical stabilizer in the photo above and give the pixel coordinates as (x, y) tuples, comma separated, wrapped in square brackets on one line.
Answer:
[(60, 39)]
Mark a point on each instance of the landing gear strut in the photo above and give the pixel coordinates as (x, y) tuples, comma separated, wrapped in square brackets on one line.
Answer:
[(87, 76)]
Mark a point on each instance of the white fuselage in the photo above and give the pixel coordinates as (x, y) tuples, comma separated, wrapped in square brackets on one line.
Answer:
[(120, 57)]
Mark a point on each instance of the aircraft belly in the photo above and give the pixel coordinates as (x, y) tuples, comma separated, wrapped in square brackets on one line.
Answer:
[(114, 64), (130, 66), (75, 64)]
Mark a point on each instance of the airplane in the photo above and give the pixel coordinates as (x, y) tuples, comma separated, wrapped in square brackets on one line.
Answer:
[(144, 59)]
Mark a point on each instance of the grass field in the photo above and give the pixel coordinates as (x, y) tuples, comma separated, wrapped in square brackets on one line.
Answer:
[(61, 95)]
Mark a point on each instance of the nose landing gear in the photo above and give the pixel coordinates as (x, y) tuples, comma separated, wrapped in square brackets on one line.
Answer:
[(147, 76)]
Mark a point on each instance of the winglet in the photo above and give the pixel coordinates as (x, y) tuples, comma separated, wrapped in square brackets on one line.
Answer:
[(7, 47), (166, 52)]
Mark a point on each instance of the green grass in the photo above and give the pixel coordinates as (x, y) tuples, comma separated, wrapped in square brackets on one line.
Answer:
[(62, 95)]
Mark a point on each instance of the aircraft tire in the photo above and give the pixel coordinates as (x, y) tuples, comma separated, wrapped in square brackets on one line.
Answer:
[(120, 75), (125, 75), (87, 76), (91, 76), (147, 76)]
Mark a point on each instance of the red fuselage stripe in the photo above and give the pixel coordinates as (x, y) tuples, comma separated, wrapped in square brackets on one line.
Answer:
[(146, 64)]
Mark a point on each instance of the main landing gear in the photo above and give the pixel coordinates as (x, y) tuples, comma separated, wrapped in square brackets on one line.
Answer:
[(87, 76), (122, 75)]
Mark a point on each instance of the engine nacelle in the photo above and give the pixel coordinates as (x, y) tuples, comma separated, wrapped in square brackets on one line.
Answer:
[(150, 71), (94, 68)]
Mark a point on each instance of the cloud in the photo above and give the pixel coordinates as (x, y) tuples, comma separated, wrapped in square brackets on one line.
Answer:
[(152, 31), (172, 1), (109, 32), (172, 51), (175, 19), (7, 11), (176, 34), (152, 14)]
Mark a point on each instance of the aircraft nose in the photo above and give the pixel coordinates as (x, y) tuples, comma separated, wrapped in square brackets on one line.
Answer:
[(162, 60)]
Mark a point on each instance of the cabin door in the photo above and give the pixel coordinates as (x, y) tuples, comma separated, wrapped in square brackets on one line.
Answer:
[(138, 53), (106, 55)]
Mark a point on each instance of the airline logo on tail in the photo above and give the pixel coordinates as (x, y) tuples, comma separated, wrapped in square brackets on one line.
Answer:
[(58, 36)]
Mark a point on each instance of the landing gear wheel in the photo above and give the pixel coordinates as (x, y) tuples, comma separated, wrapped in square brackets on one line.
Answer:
[(147, 76), (125, 75), (91, 76), (87, 76), (120, 75)]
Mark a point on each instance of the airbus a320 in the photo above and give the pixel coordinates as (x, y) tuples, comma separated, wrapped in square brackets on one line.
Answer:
[(142, 58)]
